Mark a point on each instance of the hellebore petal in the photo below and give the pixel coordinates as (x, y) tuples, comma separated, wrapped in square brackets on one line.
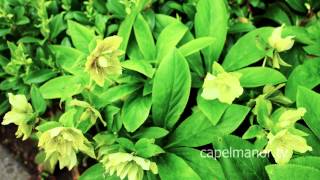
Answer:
[(224, 86), (278, 43), (290, 117)]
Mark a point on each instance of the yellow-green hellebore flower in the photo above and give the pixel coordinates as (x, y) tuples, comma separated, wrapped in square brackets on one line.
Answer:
[(62, 144), (283, 144), (224, 86), (21, 113), (128, 165), (290, 117), (103, 62), (278, 43)]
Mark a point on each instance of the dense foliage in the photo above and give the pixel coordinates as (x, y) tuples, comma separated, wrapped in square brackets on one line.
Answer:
[(154, 89)]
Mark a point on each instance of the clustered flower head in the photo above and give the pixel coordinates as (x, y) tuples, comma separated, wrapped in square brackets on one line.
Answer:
[(21, 114), (62, 143), (128, 165), (282, 145), (103, 62), (224, 86), (284, 141)]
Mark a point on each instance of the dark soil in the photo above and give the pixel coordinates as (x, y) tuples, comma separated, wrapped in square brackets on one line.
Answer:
[(25, 152)]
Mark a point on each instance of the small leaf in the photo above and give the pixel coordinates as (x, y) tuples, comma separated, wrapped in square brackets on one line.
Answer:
[(37, 100), (195, 45), (140, 66)]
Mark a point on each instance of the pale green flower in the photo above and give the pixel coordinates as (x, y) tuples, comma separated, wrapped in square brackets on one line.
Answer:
[(62, 144), (290, 117), (278, 43), (283, 144), (103, 62), (128, 165), (21, 114), (224, 86)]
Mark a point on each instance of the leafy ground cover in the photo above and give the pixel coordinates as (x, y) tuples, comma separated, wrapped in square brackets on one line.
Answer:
[(153, 89)]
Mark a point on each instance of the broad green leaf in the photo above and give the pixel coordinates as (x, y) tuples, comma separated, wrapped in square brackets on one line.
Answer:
[(260, 76), (211, 20), (39, 76), (212, 109), (170, 90), (306, 75), (197, 130), (151, 133), (310, 161), (135, 112), (61, 87), (70, 59), (147, 149), (298, 5), (169, 38), (252, 132), (249, 49), (312, 140), (144, 38), (57, 25), (311, 102), (292, 172), (240, 161), (172, 167), (206, 167), (97, 172), (37, 100), (114, 94), (195, 45), (140, 66), (126, 28), (81, 35)]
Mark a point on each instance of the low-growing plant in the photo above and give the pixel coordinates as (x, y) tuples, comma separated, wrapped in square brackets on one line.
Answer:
[(153, 89)]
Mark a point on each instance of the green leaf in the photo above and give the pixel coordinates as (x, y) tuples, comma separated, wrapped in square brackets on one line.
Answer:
[(211, 20), (166, 42), (252, 132), (37, 100), (140, 66), (292, 172), (195, 45), (151, 133), (81, 35), (260, 76), (298, 5), (306, 75), (57, 25), (311, 101), (197, 130), (170, 90), (135, 112), (61, 87), (172, 167), (126, 28), (147, 149), (249, 49), (310, 161), (204, 166), (39, 76), (212, 109), (67, 119), (114, 94), (97, 172), (240, 161), (68, 58), (144, 38)]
